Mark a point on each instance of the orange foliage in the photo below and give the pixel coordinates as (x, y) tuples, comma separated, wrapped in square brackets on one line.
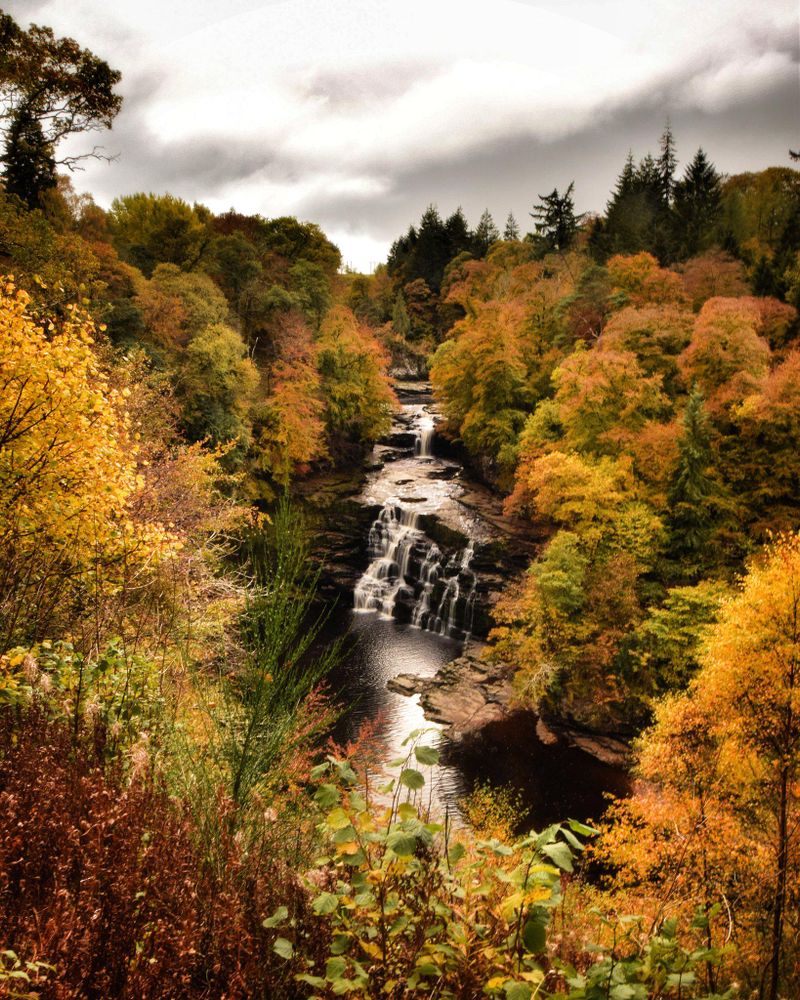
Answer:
[(712, 274), (641, 280), (727, 355)]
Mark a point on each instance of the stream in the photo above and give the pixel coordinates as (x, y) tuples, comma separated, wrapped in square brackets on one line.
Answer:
[(413, 561)]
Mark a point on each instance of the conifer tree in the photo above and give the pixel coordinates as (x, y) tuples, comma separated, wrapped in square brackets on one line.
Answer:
[(698, 203), (486, 233), (511, 232), (29, 168), (667, 162), (692, 487), (556, 221), (401, 322)]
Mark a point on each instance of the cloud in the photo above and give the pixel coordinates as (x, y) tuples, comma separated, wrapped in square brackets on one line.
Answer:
[(309, 106)]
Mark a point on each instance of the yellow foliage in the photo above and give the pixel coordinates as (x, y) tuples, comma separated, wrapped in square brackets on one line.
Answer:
[(68, 467)]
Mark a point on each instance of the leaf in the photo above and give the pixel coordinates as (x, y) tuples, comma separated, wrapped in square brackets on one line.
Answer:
[(560, 854), (518, 991), (456, 853), (338, 819), (534, 936), (277, 918), (403, 844), (283, 948), (426, 755), (334, 968), (326, 796), (325, 903), (412, 779), (582, 828)]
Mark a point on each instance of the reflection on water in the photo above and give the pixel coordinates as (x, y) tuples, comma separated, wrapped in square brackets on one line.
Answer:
[(554, 782)]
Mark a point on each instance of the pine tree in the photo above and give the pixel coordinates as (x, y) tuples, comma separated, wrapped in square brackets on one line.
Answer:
[(692, 488), (29, 168), (486, 233), (697, 204), (556, 221), (511, 232), (458, 233), (667, 162)]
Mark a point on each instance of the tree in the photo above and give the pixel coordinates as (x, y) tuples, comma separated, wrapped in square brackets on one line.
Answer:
[(50, 89), (666, 163), (556, 222), (486, 233), (29, 168), (68, 475), (692, 487), (698, 205), (217, 383), (750, 685), (149, 229), (511, 231)]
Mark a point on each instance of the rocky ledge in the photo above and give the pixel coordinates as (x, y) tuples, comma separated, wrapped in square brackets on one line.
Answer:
[(468, 694), (464, 696)]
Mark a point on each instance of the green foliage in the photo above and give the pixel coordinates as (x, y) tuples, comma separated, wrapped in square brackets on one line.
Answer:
[(148, 229), (217, 382), (407, 909), (556, 222)]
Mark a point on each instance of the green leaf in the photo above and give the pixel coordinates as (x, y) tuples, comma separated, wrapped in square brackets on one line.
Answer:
[(326, 796), (334, 968), (518, 991), (582, 828), (277, 918), (412, 779), (534, 936), (426, 755), (402, 843), (406, 811), (560, 854), (325, 903), (283, 948), (456, 853)]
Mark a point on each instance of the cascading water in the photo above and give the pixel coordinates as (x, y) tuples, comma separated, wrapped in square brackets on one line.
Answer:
[(408, 574), (392, 539), (423, 444)]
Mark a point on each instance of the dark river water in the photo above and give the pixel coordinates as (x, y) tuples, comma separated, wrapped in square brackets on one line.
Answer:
[(416, 599)]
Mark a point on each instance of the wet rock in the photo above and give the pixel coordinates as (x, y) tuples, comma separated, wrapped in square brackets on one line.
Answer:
[(464, 695)]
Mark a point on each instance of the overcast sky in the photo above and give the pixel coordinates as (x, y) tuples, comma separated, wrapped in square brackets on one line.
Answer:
[(358, 113)]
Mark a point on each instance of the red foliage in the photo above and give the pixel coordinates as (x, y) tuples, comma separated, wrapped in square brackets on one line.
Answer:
[(102, 879)]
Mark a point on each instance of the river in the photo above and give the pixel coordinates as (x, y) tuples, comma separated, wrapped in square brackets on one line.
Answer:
[(419, 550)]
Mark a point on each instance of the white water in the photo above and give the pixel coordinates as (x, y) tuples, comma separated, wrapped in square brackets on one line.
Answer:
[(407, 565)]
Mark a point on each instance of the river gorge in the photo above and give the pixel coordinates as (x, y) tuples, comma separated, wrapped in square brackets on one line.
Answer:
[(414, 555)]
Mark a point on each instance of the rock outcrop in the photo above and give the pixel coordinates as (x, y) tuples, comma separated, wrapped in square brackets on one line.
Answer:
[(464, 696)]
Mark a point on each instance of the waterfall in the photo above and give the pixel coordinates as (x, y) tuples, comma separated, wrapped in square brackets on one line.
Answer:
[(424, 440), (408, 576), (456, 607), (392, 539)]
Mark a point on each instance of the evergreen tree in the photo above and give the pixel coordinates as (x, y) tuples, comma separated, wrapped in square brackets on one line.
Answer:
[(556, 221), (486, 233), (667, 162), (511, 232), (698, 204), (29, 168), (458, 233), (692, 488)]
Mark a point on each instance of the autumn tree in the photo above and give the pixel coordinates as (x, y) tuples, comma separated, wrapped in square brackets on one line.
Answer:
[(354, 383), (149, 229), (216, 385), (50, 89), (68, 474)]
